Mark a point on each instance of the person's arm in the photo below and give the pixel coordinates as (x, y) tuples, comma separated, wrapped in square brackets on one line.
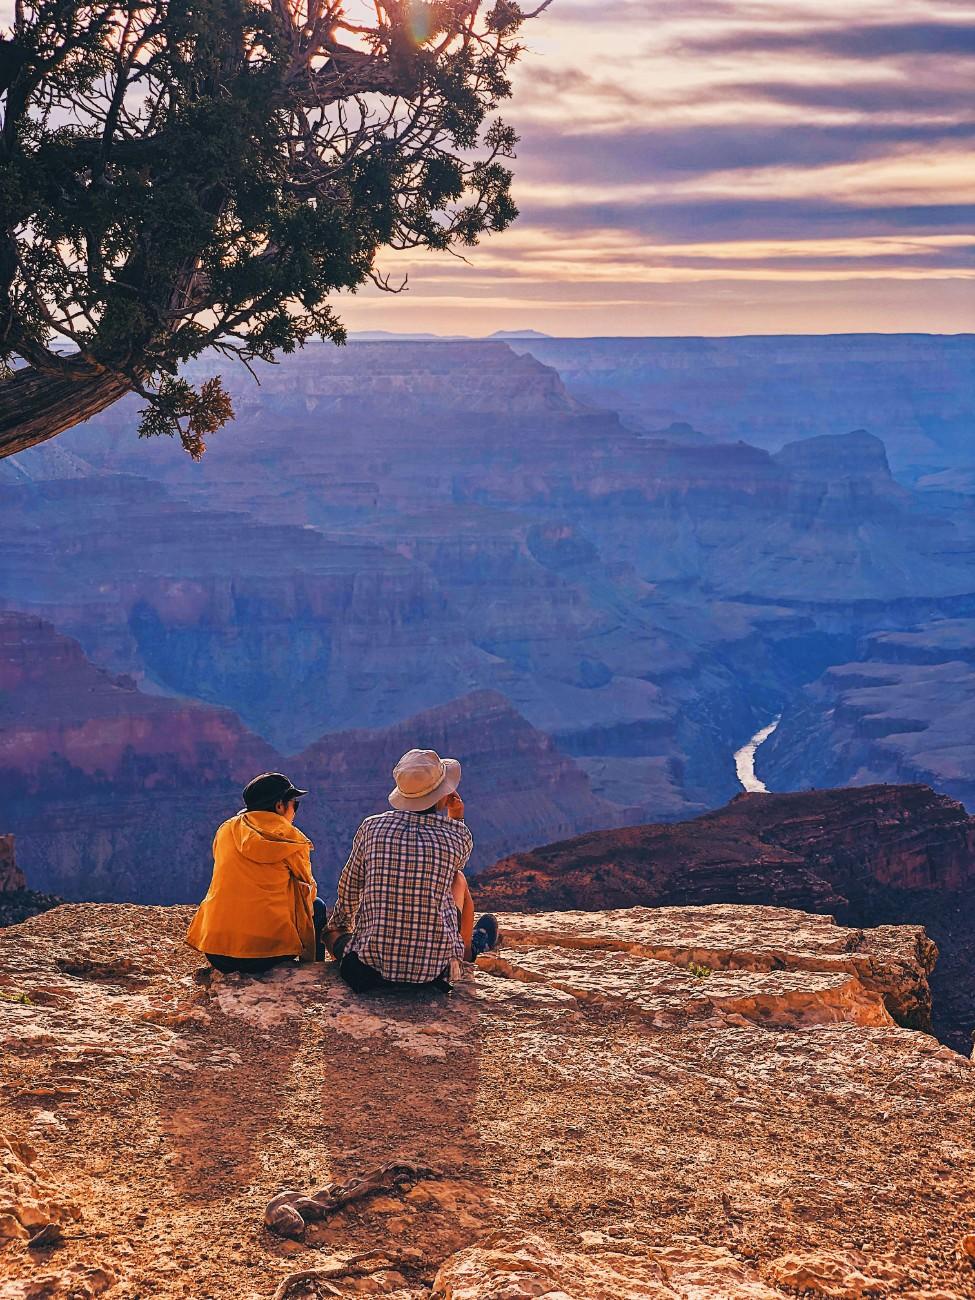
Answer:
[(350, 886), (465, 908), (455, 813)]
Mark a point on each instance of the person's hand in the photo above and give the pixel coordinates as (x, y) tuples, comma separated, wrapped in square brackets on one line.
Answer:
[(455, 806)]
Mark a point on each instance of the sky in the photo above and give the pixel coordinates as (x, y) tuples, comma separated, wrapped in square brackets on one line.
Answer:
[(709, 167), (703, 167)]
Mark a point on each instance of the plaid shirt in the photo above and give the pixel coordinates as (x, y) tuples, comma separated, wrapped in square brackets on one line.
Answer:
[(394, 894)]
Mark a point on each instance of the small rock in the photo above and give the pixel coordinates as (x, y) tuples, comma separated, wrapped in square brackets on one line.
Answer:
[(841, 1275), (46, 1238)]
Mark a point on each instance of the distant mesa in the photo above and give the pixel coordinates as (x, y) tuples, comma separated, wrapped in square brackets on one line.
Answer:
[(519, 334), (423, 336), (390, 336), (858, 454), (682, 432)]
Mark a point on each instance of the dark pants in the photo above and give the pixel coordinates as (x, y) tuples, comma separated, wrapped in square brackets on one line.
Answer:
[(258, 965), (362, 978), (243, 965)]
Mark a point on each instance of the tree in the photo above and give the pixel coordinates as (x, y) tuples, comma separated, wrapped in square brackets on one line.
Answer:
[(183, 175)]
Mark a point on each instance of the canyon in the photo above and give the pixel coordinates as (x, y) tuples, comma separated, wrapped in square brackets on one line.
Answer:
[(903, 710), (399, 531), (115, 794), (643, 1104), (914, 388)]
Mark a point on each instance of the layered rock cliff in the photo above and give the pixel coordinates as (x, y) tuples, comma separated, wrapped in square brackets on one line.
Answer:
[(636, 1105), (872, 855), (913, 389), (11, 877), (389, 526), (115, 793), (904, 710), (515, 782)]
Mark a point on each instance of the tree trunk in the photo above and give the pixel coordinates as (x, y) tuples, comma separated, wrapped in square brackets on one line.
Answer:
[(36, 406)]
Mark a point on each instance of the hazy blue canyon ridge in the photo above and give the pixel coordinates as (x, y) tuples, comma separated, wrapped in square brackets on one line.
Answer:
[(596, 567)]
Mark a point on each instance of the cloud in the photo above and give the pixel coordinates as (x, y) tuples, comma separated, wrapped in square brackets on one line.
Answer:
[(898, 97), (654, 152), (680, 221), (853, 41)]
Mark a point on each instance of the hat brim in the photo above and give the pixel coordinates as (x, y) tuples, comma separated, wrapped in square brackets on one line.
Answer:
[(295, 793), (450, 782)]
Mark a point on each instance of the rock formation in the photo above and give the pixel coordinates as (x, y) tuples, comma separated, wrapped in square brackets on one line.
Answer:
[(17, 902), (388, 527), (871, 855), (636, 1105), (11, 877), (903, 711), (515, 782), (115, 793), (913, 389)]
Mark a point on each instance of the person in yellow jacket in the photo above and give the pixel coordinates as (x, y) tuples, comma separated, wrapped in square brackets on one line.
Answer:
[(260, 908)]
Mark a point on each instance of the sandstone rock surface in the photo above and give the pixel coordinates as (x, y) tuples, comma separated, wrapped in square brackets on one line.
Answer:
[(650, 1104), (871, 854)]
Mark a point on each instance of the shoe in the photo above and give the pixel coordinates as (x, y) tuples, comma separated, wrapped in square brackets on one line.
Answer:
[(486, 937)]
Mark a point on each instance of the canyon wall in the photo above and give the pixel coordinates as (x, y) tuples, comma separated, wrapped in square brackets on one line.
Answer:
[(904, 710), (401, 544), (115, 794), (914, 390), (389, 527), (11, 877)]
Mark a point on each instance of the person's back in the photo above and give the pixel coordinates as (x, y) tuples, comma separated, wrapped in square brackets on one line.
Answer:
[(397, 885), (402, 892), (259, 907)]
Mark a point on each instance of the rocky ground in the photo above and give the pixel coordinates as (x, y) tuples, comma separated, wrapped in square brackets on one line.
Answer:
[(873, 855), (699, 1103)]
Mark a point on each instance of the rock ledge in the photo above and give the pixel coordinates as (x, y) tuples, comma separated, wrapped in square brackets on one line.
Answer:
[(708, 1103)]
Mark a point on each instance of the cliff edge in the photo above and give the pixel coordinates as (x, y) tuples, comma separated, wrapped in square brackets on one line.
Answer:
[(869, 855), (648, 1104)]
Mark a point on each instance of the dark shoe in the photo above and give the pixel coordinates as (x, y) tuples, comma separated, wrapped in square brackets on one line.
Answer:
[(486, 937)]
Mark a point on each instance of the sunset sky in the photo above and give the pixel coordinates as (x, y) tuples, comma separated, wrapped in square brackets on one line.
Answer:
[(711, 167), (703, 167)]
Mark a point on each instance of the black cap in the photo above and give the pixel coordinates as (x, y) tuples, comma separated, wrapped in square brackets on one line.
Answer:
[(261, 794)]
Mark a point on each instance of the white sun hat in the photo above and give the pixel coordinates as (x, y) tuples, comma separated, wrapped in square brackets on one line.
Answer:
[(422, 779)]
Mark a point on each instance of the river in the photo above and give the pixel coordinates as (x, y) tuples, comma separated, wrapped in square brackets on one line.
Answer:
[(745, 759)]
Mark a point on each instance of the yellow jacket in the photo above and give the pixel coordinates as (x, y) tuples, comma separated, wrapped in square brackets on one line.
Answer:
[(260, 900)]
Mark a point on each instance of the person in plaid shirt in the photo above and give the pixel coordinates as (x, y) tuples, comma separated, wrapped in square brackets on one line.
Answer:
[(404, 914)]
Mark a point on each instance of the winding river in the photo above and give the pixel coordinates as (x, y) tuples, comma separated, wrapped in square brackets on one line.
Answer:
[(745, 759)]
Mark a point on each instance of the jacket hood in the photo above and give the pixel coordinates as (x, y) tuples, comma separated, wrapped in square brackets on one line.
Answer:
[(266, 837)]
